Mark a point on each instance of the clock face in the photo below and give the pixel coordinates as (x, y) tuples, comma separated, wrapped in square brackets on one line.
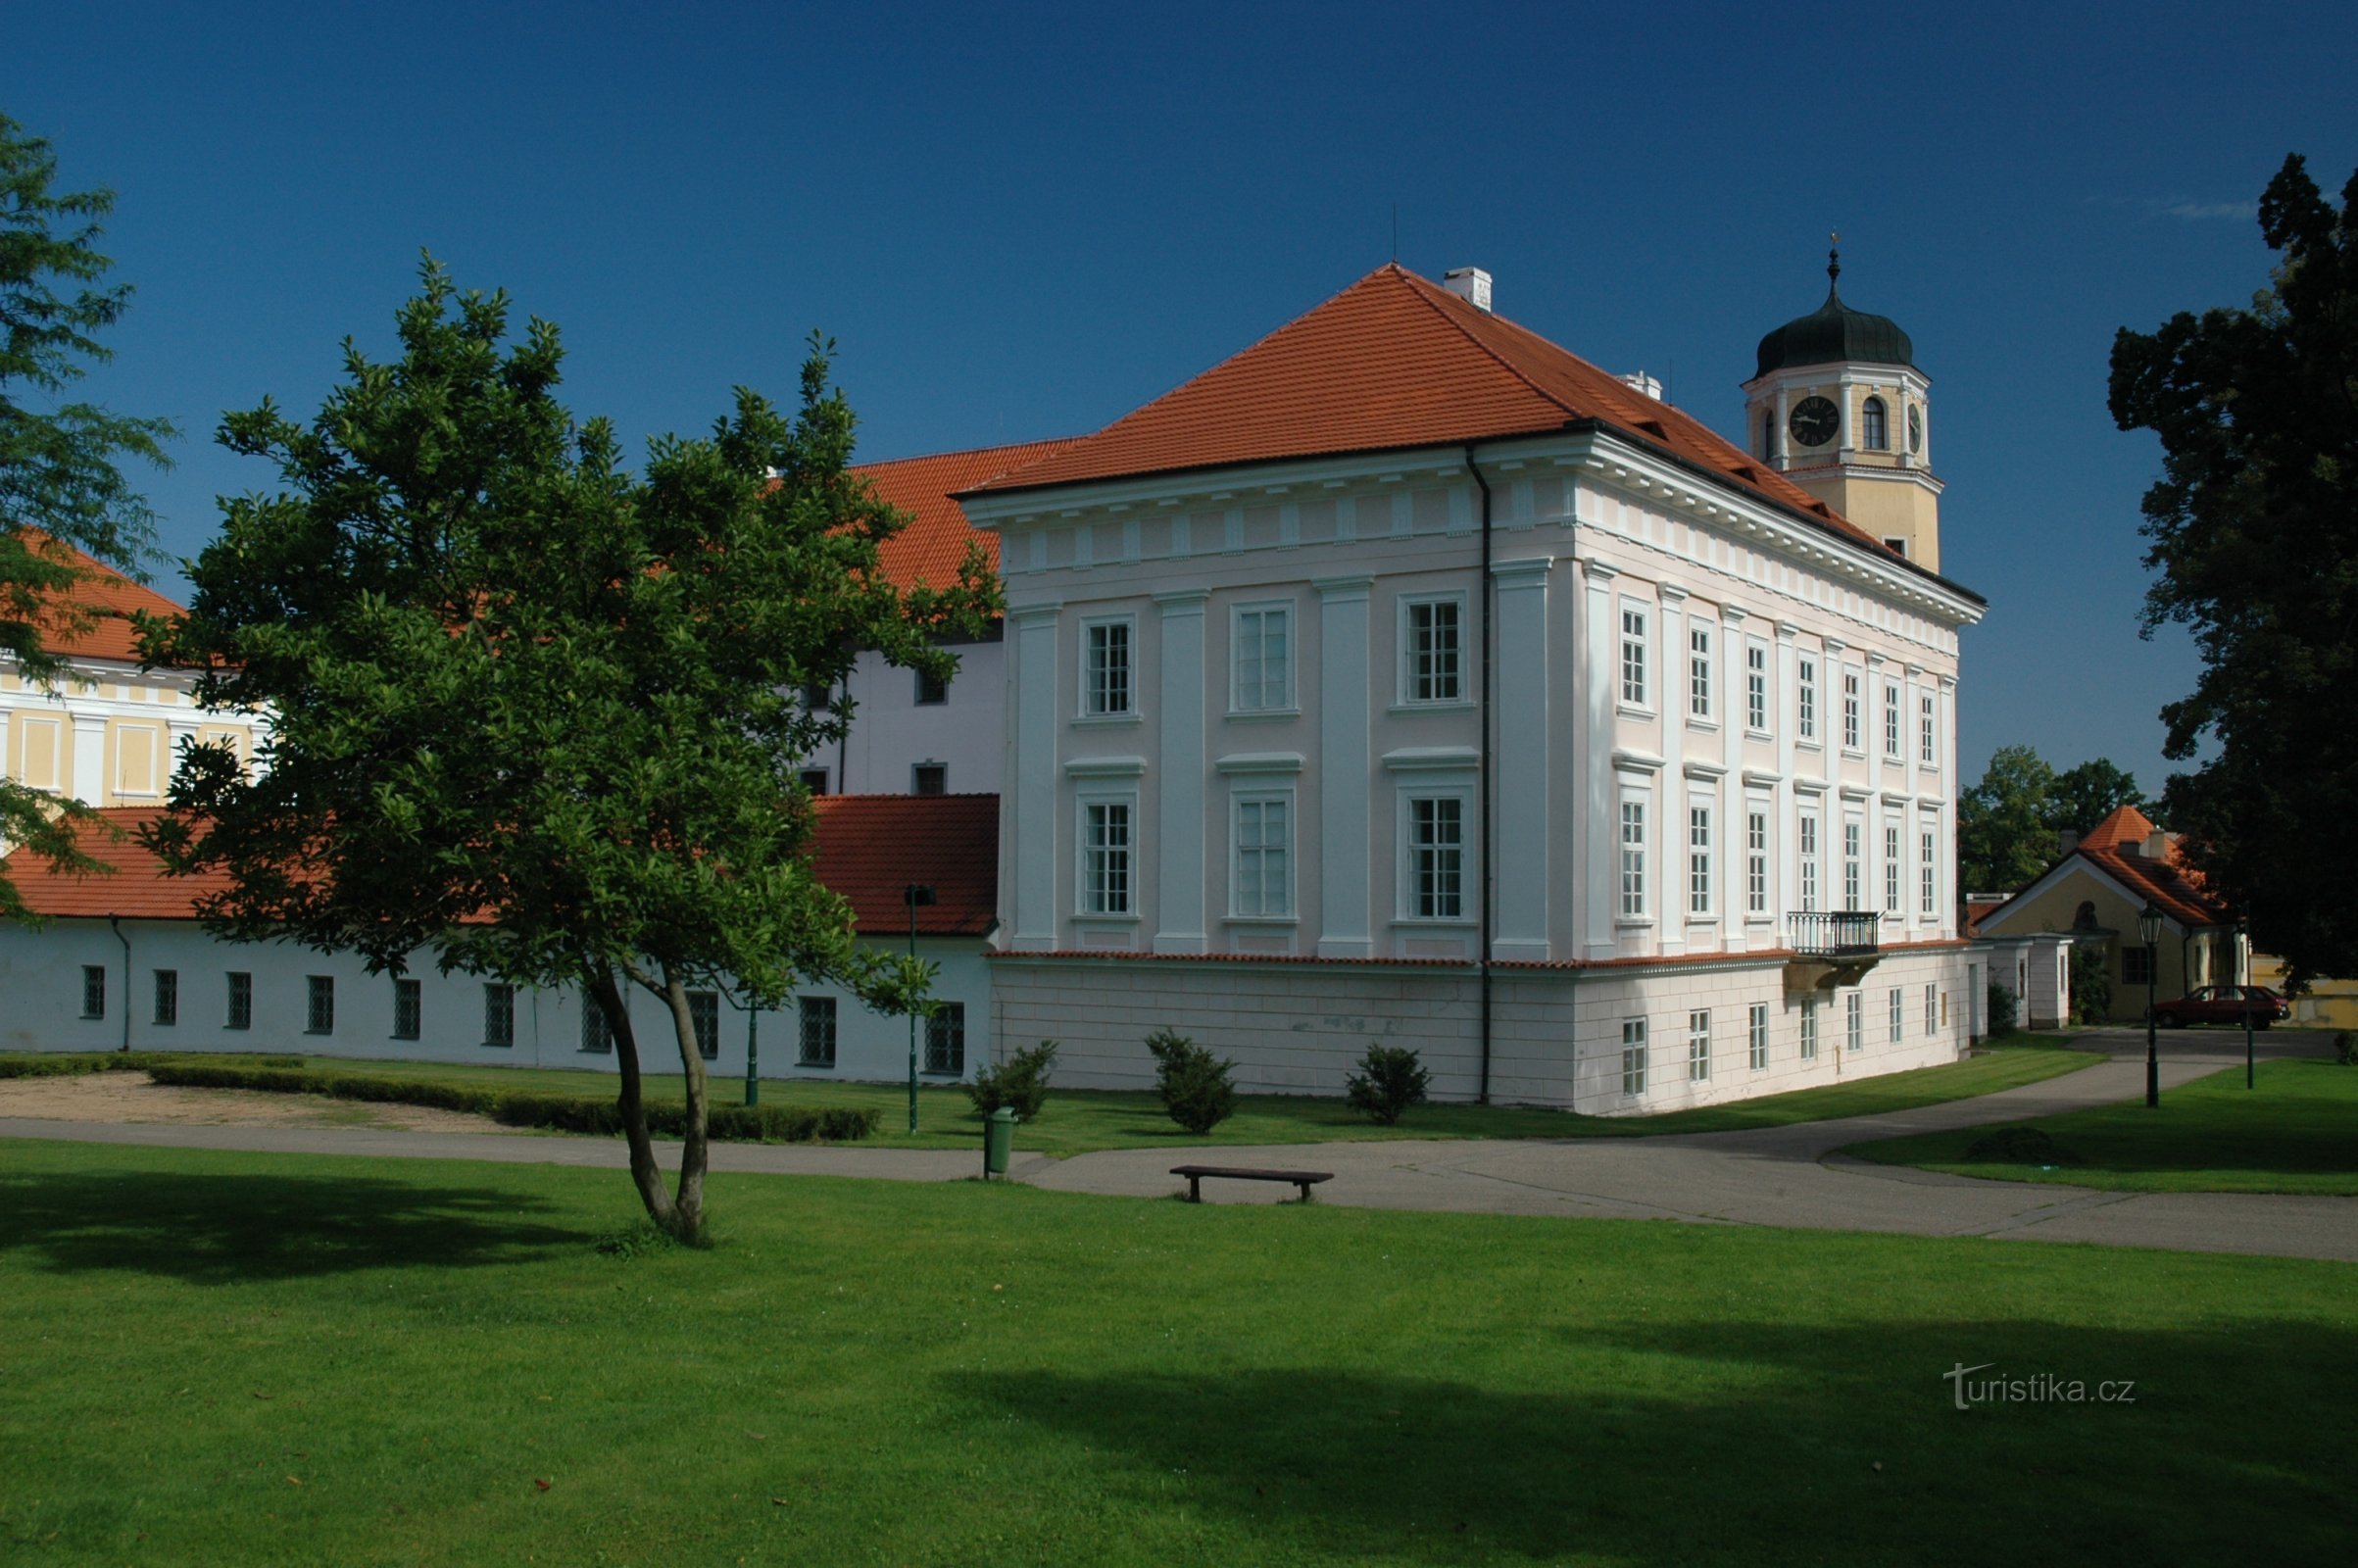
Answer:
[(1814, 422), (1915, 428)]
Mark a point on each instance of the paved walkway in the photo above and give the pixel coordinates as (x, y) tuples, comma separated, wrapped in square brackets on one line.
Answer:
[(1786, 1176)]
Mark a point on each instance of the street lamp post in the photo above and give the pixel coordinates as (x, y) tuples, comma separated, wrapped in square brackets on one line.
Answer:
[(2148, 926), (917, 894), (753, 1059), (2243, 963)]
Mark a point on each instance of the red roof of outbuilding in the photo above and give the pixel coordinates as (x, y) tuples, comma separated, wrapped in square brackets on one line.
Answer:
[(930, 548), (1392, 361), (2117, 845), (137, 889), (108, 597)]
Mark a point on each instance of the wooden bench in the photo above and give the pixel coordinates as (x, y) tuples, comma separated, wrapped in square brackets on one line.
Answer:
[(1194, 1174)]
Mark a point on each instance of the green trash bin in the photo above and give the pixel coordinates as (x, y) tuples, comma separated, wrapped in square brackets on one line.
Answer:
[(998, 1141)]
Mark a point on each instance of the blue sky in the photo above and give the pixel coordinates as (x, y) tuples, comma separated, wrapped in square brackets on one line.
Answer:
[(1022, 222)]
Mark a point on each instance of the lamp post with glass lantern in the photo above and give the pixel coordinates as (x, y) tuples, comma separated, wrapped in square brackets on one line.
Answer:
[(2243, 962), (2148, 926)]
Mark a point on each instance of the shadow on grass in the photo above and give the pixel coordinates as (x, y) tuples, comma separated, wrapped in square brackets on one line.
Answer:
[(1750, 1444), (210, 1230)]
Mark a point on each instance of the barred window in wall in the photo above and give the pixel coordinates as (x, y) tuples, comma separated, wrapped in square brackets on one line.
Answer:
[(1854, 1021), (94, 991), (1809, 862), (1850, 732), (1437, 858), (1890, 722), (597, 1033), (1931, 1008), (409, 1008), (1756, 1034), (1632, 860), (1264, 879), (704, 1014), (1698, 1047), (932, 690), (1928, 748), (1436, 652), (1892, 904), (1899, 1027), (1698, 671), (1698, 859), (1809, 1030), (946, 1038), (1755, 687), (168, 996), (241, 999), (319, 1005), (1851, 864), (816, 1020), (1930, 871), (1264, 658), (1756, 871), (1633, 1055), (1107, 667), (1633, 656), (499, 1015), (1105, 857), (1806, 698)]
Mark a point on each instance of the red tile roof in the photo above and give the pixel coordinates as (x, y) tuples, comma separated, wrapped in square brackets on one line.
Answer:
[(109, 597), (2126, 826), (1392, 361), (137, 889), (935, 541)]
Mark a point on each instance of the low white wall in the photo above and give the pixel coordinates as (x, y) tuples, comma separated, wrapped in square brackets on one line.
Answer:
[(41, 1007)]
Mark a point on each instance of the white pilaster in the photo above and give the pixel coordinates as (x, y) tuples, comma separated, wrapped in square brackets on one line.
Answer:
[(1179, 782), (1668, 819), (1784, 712), (1031, 777), (1345, 772), (1729, 873), (1598, 673), (1520, 705), (89, 759)]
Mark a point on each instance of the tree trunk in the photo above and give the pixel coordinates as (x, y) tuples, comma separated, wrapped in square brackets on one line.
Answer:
[(644, 1171), (688, 1207)]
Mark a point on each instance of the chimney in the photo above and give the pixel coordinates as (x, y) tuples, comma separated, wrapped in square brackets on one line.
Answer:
[(1470, 284), (2067, 841), (1638, 380), (2157, 847)]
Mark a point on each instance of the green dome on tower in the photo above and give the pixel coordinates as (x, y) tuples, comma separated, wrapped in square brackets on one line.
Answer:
[(1834, 332)]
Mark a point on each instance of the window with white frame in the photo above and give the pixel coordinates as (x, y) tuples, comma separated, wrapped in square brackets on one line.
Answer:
[(1890, 722), (1264, 860), (1105, 857), (1854, 1021), (1633, 1056), (1698, 859), (1809, 848), (1263, 640), (1809, 1029), (1874, 426), (1698, 670), (1432, 649), (1698, 1047), (498, 1014), (1852, 832), (1898, 1024), (1633, 859), (1755, 686), (1929, 868), (1932, 1007), (1633, 655), (1105, 668), (1892, 904), (1851, 731), (704, 1014), (1757, 1036), (1755, 868), (1435, 858), (1927, 747), (1806, 700)]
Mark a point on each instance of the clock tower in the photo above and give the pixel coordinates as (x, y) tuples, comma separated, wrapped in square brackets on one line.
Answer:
[(1839, 407)]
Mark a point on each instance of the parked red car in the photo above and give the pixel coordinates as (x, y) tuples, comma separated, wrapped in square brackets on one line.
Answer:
[(2223, 1004)]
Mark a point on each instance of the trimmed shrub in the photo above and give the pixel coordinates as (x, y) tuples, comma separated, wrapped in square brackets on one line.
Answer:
[(74, 1064), (1389, 1081), (570, 1114), (2019, 1145), (1193, 1082), (2001, 1011), (2091, 983), (2345, 1048), (1019, 1083)]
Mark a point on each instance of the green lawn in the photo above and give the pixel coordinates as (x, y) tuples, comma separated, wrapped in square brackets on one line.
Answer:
[(1079, 1120), (264, 1359), (2296, 1132)]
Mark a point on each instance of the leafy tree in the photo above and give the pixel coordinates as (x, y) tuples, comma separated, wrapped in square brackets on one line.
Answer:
[(2083, 795), (2002, 836), (2091, 982), (2255, 530), (534, 715), (60, 483)]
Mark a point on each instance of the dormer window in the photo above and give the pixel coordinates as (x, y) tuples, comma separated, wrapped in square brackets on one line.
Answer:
[(1875, 426)]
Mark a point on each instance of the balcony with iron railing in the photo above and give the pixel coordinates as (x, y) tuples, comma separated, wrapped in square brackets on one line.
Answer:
[(1833, 933)]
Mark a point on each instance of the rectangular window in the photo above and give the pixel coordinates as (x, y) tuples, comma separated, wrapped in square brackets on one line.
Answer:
[(168, 996), (817, 697), (1435, 651), (409, 1008), (1105, 668), (1808, 688), (319, 1004), (597, 1032), (1927, 748), (1104, 859), (1851, 863), (498, 1014), (1698, 671), (929, 778), (1632, 860), (1698, 859), (1755, 870), (1931, 1008), (1699, 1048), (1854, 1021), (1931, 868), (1850, 741), (1633, 1055), (1756, 1034), (1890, 722), (1899, 1023), (815, 779), (1809, 1029), (932, 690), (1891, 871), (94, 991), (1437, 858), (946, 1038), (1264, 656), (1755, 687), (2136, 967), (241, 999), (1809, 862), (704, 1013), (1633, 656), (816, 1018), (1265, 876)]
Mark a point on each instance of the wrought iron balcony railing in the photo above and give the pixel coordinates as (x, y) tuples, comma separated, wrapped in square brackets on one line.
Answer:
[(1834, 934)]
